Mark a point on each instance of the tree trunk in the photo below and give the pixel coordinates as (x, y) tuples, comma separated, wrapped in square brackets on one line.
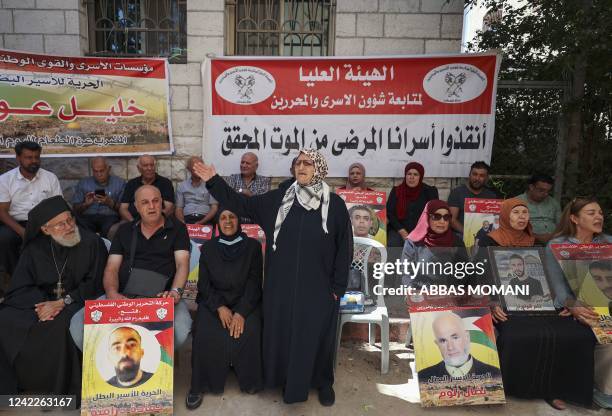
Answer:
[(574, 127)]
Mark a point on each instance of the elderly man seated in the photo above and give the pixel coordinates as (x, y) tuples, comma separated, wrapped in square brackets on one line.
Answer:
[(161, 252), (61, 266), (147, 166), (96, 198)]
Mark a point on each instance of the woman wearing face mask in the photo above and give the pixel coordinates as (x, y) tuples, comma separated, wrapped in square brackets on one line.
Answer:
[(308, 254), (582, 222), (548, 357), (432, 240), (227, 329), (406, 202)]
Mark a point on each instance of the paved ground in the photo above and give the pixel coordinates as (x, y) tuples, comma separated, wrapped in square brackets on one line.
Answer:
[(360, 390)]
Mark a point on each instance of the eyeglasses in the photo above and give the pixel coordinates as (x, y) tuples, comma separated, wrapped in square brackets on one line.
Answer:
[(438, 217), (62, 225)]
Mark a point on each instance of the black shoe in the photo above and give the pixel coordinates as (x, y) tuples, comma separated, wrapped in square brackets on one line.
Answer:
[(327, 397), (193, 400)]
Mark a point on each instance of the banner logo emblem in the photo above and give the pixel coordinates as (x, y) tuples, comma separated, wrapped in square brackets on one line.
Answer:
[(245, 85), (455, 83)]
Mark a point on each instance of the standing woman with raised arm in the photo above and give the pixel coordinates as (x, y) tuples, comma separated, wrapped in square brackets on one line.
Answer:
[(308, 253)]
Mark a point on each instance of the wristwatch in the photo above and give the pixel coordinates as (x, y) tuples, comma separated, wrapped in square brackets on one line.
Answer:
[(240, 190), (178, 290), (68, 300)]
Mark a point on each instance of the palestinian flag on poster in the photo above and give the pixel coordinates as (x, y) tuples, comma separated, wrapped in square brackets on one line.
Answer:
[(479, 326), (456, 356)]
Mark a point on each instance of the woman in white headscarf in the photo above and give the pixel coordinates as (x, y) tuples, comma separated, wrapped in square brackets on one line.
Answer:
[(308, 254)]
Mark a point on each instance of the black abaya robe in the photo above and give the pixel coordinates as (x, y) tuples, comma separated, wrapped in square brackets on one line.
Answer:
[(546, 357), (308, 267), (237, 285), (40, 357)]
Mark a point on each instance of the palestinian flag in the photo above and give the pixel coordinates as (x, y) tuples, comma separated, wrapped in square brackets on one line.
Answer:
[(479, 323), (164, 333)]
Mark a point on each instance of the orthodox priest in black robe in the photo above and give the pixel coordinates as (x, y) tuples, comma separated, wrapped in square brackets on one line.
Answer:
[(227, 330), (309, 250), (60, 267)]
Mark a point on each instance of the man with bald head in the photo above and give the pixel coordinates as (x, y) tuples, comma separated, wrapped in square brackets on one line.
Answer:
[(162, 246), (96, 198), (125, 353), (194, 204), (248, 182), (148, 176), (453, 341)]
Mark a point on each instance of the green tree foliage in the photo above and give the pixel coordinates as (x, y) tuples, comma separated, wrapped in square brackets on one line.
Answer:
[(554, 40)]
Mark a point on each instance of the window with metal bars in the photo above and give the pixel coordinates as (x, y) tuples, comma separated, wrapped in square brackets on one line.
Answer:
[(138, 28), (280, 27)]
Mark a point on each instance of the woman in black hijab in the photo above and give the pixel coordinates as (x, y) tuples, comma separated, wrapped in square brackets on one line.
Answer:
[(227, 329)]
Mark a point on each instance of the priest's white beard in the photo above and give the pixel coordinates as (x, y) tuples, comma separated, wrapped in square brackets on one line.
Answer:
[(70, 240)]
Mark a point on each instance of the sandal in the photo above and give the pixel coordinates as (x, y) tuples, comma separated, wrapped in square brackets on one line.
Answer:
[(557, 404), (193, 400)]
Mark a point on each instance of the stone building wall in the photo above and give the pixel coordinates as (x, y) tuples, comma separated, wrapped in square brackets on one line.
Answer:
[(363, 27)]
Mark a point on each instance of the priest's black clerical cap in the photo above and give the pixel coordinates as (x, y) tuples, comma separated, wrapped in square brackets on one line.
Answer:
[(42, 213)]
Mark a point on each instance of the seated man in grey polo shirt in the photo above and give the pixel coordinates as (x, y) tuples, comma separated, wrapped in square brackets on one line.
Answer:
[(194, 205), (96, 198)]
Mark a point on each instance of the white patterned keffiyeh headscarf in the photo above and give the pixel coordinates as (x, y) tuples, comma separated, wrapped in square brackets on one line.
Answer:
[(309, 196)]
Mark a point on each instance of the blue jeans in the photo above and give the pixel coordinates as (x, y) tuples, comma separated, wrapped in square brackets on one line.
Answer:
[(182, 325)]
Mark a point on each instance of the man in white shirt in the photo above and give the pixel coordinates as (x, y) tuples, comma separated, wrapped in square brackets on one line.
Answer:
[(21, 189)]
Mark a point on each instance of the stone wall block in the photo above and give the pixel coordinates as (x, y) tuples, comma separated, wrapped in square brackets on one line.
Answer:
[(345, 24), (370, 25), (67, 167), (30, 43), (39, 21), (412, 25)]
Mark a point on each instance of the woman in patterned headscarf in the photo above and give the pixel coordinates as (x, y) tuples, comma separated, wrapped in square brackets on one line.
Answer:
[(308, 255)]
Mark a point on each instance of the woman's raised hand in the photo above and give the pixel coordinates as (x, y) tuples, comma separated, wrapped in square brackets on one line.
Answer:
[(205, 172)]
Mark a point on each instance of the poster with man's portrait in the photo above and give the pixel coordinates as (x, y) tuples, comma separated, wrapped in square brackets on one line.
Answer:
[(368, 213), (456, 356), (522, 275), (587, 269), (128, 357), (481, 216), (198, 234)]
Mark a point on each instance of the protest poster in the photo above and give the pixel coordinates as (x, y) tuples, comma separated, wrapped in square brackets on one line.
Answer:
[(588, 271), (481, 216), (523, 273), (368, 213), (380, 111), (456, 356), (198, 234), (128, 356), (84, 106), (255, 231)]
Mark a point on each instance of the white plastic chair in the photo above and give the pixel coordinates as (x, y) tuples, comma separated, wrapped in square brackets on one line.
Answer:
[(107, 243), (375, 314)]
